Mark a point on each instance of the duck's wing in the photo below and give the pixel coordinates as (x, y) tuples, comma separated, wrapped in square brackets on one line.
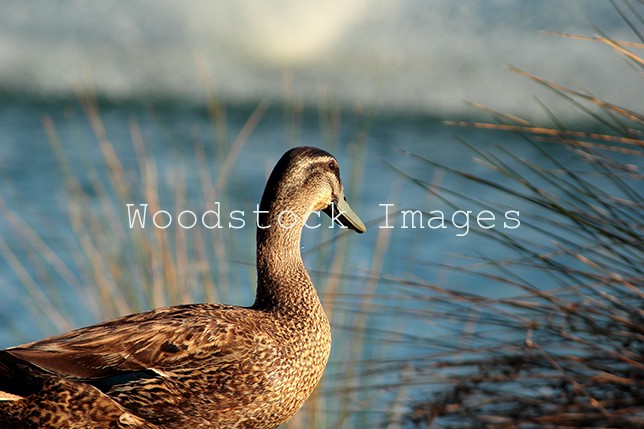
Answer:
[(57, 401), (143, 345)]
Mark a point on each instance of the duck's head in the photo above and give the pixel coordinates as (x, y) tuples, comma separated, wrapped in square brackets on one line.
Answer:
[(307, 179)]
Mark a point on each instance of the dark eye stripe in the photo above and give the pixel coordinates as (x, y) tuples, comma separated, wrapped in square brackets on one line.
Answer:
[(327, 165)]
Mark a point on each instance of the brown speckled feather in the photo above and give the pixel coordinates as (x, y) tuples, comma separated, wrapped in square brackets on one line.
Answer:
[(156, 339), (197, 365)]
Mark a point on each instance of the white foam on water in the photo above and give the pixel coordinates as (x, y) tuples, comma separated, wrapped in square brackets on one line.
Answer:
[(427, 56)]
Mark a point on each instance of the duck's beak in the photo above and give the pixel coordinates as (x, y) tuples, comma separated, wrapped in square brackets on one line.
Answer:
[(343, 215)]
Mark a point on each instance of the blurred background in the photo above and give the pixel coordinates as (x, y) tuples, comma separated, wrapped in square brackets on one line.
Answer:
[(411, 56), (181, 104)]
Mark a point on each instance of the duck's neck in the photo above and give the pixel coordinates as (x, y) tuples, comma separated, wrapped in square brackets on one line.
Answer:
[(283, 284)]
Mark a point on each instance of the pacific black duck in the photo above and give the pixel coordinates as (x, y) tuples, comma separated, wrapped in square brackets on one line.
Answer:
[(197, 365)]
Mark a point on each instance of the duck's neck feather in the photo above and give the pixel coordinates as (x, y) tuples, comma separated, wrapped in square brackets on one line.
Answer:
[(283, 284)]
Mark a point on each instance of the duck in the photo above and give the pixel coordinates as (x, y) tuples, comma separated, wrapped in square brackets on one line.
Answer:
[(200, 365)]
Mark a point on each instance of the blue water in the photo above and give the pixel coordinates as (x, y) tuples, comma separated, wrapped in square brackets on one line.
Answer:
[(34, 190)]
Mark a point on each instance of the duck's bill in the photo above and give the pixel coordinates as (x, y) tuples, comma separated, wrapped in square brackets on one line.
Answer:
[(340, 212)]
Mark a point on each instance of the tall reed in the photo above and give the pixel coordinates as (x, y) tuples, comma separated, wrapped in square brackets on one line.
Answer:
[(564, 346)]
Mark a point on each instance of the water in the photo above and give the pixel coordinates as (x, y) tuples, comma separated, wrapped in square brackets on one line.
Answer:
[(33, 188)]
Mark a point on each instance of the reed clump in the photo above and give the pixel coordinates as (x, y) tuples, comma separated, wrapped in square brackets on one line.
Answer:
[(566, 348)]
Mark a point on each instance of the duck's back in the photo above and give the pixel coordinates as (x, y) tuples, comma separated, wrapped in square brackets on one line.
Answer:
[(187, 366)]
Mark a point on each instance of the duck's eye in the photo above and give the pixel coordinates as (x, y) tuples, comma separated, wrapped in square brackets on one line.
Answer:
[(332, 165)]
